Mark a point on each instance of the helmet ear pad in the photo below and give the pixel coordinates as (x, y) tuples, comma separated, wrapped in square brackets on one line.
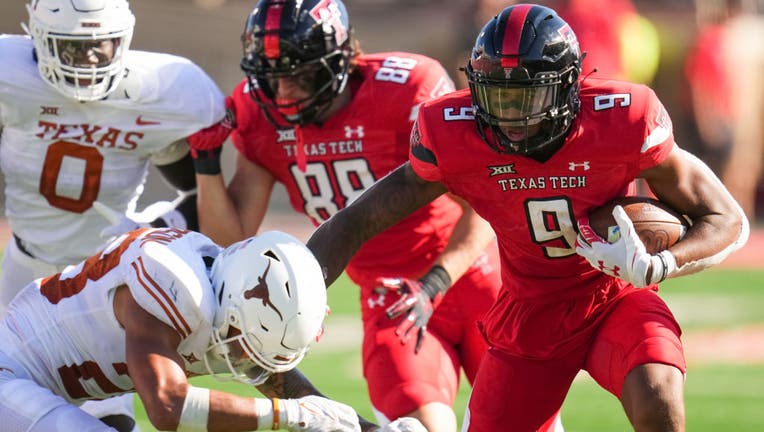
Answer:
[(541, 62)]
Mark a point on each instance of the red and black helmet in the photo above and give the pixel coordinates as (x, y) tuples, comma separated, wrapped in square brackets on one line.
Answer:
[(307, 40), (523, 77)]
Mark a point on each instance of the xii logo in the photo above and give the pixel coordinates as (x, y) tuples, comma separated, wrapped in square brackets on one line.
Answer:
[(49, 110)]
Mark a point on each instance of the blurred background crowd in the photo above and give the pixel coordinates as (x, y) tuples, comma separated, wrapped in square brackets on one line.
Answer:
[(704, 59)]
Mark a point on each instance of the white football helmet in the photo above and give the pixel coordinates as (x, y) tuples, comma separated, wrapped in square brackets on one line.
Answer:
[(272, 306), (80, 44)]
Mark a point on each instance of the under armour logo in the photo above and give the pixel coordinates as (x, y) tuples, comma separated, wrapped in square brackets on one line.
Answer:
[(612, 271), (350, 132), (379, 302), (285, 135), (49, 110), (573, 166), (260, 291), (502, 169)]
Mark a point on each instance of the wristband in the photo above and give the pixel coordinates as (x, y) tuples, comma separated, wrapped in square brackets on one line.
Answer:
[(195, 411), (265, 414), (207, 161), (436, 281), (669, 262), (663, 266)]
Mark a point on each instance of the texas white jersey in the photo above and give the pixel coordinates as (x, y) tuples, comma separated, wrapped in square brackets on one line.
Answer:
[(59, 155), (63, 331)]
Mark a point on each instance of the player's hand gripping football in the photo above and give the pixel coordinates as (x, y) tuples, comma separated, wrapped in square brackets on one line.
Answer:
[(207, 144), (417, 301), (317, 414), (626, 258)]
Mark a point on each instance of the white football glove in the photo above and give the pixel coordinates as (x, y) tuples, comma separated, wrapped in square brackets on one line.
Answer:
[(318, 414), (123, 223), (403, 424), (120, 223), (626, 258)]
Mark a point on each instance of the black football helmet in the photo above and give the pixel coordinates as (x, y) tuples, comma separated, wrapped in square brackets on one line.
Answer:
[(523, 76), (308, 41)]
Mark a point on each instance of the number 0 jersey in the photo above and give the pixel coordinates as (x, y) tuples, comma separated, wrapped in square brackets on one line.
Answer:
[(357, 146), (63, 331), (621, 130), (59, 155)]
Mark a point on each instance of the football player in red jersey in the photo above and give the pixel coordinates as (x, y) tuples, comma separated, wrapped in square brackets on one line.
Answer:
[(533, 146), (327, 121)]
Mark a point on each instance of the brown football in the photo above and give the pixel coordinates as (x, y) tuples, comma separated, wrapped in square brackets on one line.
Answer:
[(657, 225)]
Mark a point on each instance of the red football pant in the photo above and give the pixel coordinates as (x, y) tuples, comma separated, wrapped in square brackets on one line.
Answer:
[(400, 381), (514, 393)]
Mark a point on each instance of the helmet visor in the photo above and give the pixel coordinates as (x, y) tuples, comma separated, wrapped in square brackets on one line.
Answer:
[(521, 105), (86, 52)]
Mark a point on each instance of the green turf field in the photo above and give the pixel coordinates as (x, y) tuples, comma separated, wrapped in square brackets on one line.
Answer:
[(720, 396)]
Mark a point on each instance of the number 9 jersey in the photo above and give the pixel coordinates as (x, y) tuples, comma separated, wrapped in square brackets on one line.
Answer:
[(621, 130)]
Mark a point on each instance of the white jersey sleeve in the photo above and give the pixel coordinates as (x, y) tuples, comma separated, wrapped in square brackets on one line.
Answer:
[(168, 278)]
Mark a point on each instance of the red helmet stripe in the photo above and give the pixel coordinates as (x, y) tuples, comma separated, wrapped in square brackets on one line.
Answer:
[(511, 43), (272, 25)]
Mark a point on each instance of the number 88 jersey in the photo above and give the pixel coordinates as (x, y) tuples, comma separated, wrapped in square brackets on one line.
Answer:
[(357, 145)]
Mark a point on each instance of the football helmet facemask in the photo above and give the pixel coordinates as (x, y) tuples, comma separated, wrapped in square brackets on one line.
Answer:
[(272, 306), (79, 44), (523, 77), (304, 44)]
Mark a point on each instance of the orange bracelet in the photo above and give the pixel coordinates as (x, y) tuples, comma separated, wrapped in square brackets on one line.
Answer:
[(275, 402)]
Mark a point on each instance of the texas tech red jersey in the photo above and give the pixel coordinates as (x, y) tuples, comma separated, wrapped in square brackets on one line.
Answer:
[(357, 146), (621, 129)]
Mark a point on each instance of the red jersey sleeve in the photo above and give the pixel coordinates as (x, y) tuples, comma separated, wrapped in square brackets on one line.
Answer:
[(421, 155), (659, 135)]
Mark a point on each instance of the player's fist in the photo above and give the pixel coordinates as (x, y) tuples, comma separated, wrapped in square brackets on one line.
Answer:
[(318, 414)]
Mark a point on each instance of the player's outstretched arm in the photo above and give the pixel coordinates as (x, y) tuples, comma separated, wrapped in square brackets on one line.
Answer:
[(293, 384), (388, 201), (172, 403)]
